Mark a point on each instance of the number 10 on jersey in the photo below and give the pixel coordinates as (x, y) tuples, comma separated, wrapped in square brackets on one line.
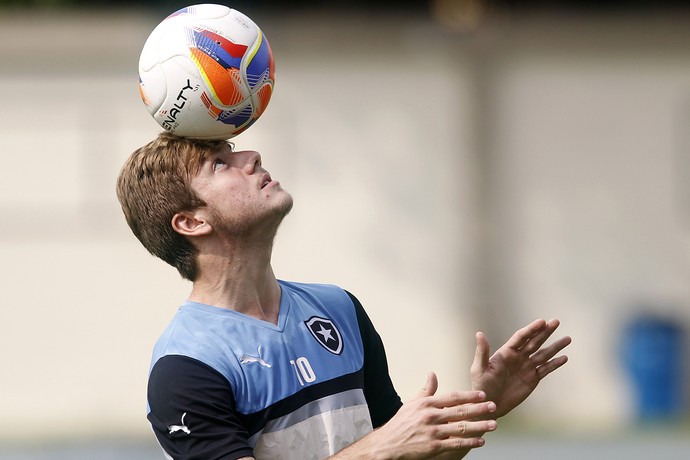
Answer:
[(303, 370)]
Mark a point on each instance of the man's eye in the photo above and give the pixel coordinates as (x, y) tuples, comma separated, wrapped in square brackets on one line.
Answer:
[(217, 163)]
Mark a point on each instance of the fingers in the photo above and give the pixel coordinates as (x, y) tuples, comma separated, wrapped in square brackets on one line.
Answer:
[(545, 361), (463, 419), (464, 425), (430, 387), (457, 398), (432, 424), (453, 444), (466, 429), (530, 338), (550, 366), (465, 412), (539, 338), (481, 353), (545, 354), (542, 357), (455, 406), (459, 406), (523, 336)]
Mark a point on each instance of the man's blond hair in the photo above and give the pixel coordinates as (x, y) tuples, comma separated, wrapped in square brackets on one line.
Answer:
[(154, 185)]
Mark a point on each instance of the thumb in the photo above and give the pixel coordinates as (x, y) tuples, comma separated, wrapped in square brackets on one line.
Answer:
[(481, 354), (430, 387)]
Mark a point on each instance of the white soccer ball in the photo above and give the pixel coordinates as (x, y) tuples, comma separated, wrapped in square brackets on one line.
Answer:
[(206, 72)]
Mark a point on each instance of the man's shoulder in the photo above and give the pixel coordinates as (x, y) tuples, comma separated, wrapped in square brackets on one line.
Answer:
[(202, 333)]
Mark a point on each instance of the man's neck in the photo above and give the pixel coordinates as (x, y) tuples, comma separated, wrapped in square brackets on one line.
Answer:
[(239, 281)]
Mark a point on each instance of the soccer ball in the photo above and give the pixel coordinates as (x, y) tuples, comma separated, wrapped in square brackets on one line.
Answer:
[(206, 72)]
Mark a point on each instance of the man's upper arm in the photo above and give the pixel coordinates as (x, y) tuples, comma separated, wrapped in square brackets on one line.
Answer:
[(382, 399), (191, 410)]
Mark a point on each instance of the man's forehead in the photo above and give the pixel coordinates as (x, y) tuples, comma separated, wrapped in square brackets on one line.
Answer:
[(209, 154), (224, 149), (198, 158)]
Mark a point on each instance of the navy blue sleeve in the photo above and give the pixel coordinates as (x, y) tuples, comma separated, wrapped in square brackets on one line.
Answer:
[(382, 399), (192, 411)]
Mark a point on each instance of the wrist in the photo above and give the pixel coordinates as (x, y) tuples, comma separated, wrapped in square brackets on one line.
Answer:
[(367, 448)]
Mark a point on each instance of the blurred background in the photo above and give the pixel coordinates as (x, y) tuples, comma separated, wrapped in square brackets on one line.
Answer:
[(459, 165)]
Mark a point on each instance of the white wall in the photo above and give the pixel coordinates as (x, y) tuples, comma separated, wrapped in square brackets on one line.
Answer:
[(594, 225)]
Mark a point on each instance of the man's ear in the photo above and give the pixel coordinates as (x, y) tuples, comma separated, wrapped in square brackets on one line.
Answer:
[(189, 224)]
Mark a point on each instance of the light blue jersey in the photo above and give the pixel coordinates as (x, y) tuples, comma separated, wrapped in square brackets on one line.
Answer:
[(297, 388)]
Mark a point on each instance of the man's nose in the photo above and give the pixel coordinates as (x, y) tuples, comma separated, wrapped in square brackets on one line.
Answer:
[(251, 160)]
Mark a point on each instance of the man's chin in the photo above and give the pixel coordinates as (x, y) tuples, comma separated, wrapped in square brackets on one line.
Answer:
[(285, 205)]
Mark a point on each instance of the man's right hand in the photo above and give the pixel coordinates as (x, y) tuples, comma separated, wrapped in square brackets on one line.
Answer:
[(429, 426)]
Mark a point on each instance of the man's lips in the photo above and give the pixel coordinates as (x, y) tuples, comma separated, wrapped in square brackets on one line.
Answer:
[(265, 180)]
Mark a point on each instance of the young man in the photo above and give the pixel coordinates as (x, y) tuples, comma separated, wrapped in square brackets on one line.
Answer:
[(255, 367)]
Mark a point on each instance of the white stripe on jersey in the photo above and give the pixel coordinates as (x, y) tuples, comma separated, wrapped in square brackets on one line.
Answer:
[(317, 437)]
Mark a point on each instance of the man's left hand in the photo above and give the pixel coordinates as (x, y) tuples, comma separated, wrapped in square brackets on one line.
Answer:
[(512, 373)]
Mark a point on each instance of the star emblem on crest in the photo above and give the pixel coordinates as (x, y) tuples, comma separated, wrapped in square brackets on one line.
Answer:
[(326, 333)]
